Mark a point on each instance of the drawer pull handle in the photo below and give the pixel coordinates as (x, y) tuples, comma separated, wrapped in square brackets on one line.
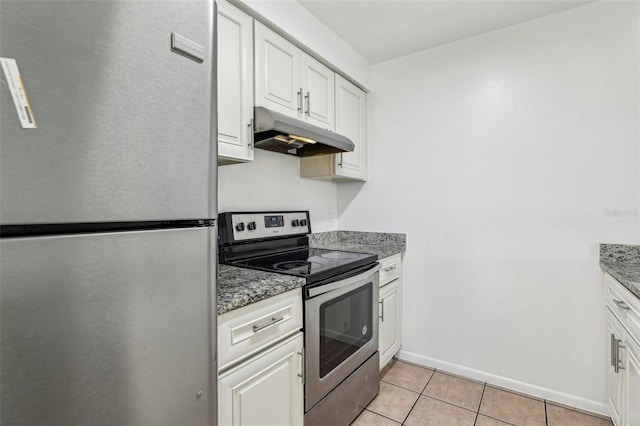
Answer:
[(390, 268), (269, 324), (618, 361), (302, 373), (623, 306)]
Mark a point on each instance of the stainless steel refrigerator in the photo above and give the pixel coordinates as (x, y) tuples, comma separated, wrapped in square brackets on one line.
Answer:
[(107, 201)]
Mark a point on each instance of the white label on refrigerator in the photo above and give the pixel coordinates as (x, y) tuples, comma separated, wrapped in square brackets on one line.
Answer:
[(18, 93)]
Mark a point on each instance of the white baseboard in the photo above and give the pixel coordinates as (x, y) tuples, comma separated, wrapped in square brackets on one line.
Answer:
[(522, 387)]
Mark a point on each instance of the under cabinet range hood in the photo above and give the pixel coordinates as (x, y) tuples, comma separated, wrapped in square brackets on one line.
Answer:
[(274, 131)]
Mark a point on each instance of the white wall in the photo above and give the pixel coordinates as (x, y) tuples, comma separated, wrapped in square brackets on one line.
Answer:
[(504, 157), (272, 182)]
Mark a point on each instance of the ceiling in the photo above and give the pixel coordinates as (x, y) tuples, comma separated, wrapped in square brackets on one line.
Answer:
[(386, 29)]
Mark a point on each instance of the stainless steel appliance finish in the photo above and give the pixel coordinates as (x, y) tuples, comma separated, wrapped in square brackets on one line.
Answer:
[(107, 249), (358, 339), (349, 398), (107, 329), (278, 132), (123, 121)]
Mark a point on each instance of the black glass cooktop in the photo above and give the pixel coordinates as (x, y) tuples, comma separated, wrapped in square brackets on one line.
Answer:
[(311, 263)]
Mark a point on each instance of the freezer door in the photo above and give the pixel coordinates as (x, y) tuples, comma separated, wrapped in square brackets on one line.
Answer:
[(108, 329), (124, 123)]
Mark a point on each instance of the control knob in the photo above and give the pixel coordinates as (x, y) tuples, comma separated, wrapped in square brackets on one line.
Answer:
[(240, 227), (303, 222), (295, 222), (251, 226)]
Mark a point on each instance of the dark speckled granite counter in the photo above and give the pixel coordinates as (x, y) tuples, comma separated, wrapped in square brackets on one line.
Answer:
[(622, 262), (238, 287), (380, 243)]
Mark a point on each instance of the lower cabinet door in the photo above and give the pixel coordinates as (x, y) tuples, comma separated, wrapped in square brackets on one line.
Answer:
[(265, 390), (389, 324), (615, 380), (633, 382)]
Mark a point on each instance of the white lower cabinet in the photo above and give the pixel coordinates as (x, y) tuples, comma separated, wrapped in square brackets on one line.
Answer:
[(260, 351), (615, 382), (633, 383), (623, 371), (390, 308), (265, 390), (389, 321)]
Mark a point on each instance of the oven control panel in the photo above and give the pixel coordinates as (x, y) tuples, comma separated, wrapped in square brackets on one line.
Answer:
[(249, 226)]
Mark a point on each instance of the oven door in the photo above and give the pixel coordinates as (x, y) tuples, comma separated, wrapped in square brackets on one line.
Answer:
[(341, 331)]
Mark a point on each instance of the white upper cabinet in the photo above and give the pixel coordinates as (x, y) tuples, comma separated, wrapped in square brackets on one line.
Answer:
[(291, 82), (277, 73), (351, 121), (235, 85), (318, 84)]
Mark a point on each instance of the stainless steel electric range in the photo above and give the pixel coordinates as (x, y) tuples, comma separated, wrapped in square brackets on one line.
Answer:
[(340, 307)]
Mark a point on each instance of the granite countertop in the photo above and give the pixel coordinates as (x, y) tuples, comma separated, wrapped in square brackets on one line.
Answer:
[(622, 262), (380, 243), (238, 287)]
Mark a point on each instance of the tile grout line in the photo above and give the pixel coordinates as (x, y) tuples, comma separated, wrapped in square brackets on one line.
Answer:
[(378, 414), (546, 416), (484, 386), (418, 398), (402, 387)]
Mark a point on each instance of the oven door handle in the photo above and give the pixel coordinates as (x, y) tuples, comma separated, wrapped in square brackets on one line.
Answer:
[(316, 291)]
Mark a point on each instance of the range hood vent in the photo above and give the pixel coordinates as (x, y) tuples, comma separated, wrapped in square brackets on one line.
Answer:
[(277, 132)]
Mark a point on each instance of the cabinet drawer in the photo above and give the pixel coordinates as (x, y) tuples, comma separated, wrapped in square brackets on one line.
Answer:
[(624, 304), (390, 269), (245, 331)]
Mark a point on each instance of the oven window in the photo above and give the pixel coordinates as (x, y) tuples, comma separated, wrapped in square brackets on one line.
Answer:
[(345, 326)]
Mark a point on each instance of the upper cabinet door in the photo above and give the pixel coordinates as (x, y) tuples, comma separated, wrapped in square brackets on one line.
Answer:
[(351, 121), (278, 84), (235, 84), (318, 83)]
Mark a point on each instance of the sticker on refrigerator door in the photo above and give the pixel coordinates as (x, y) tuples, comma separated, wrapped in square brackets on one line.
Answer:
[(18, 93), (186, 47)]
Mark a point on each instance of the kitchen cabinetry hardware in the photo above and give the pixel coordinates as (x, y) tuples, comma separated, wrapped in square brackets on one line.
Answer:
[(300, 103), (308, 98), (613, 351), (618, 346), (390, 268), (269, 324), (340, 162), (302, 364), (381, 310), (251, 137), (620, 304)]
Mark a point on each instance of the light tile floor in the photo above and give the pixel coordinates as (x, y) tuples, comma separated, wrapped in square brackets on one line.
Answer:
[(416, 396)]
